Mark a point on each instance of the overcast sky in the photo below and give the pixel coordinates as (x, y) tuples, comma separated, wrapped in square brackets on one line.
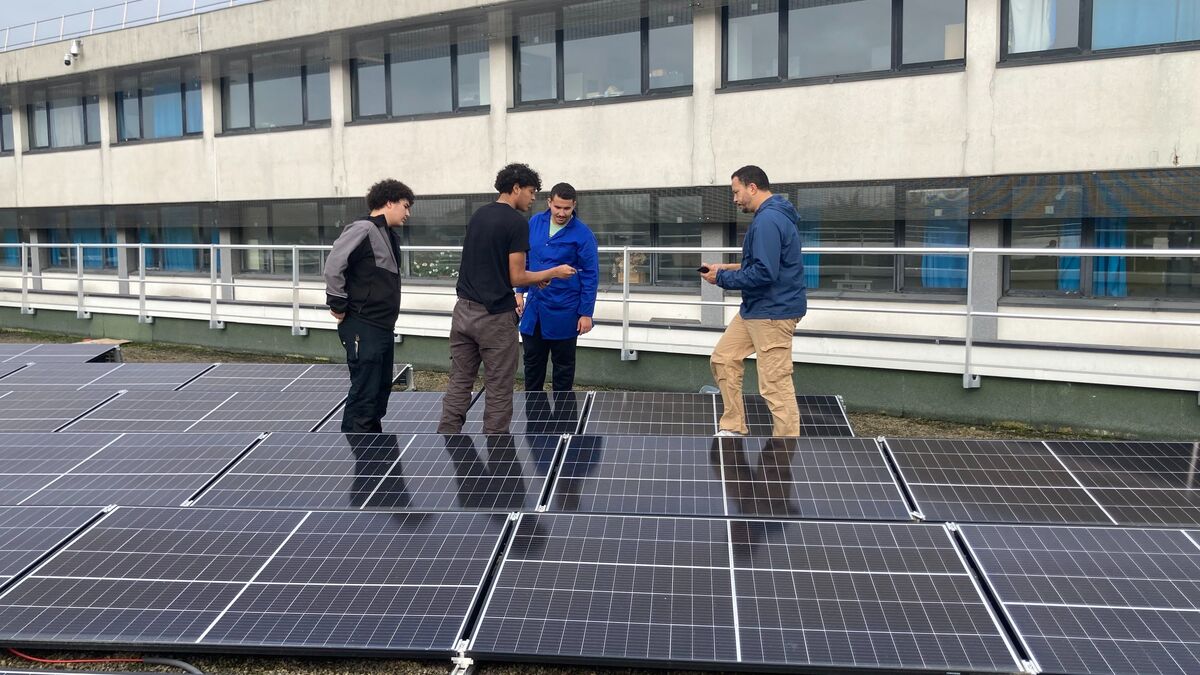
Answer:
[(19, 12)]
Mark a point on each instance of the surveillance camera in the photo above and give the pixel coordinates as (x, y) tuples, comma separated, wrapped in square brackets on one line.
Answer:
[(75, 46), (67, 59)]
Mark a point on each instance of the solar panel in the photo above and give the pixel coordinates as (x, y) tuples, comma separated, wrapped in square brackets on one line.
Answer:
[(384, 471), (263, 580), (28, 532), (535, 412), (1096, 600), (31, 461), (705, 475), (820, 416), (211, 412), (409, 412), (143, 470), (45, 410), (57, 353), (992, 481), (108, 376), (715, 592), (1139, 483), (651, 414), (7, 368), (297, 377)]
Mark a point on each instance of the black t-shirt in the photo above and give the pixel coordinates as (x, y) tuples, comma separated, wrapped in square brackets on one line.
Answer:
[(494, 231)]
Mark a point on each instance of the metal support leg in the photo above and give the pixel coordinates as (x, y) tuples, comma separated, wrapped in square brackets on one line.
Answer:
[(213, 323), (627, 354), (26, 273), (80, 311), (143, 317), (297, 329)]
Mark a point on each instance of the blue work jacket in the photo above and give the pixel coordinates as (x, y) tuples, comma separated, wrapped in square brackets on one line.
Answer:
[(559, 305)]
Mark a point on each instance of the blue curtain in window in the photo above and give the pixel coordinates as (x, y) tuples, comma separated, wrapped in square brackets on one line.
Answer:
[(1126, 23), (168, 113), (1068, 266), (945, 271), (810, 235), (10, 255), (179, 259), (95, 257), (1109, 278)]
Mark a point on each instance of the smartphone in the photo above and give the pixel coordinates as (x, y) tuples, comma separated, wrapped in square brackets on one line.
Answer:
[(703, 269)]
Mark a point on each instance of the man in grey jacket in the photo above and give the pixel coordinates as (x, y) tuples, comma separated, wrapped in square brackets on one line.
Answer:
[(362, 289)]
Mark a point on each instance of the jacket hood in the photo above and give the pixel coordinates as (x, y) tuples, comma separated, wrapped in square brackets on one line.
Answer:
[(780, 204)]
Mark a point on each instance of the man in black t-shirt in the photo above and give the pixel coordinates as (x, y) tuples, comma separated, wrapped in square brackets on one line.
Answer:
[(484, 327)]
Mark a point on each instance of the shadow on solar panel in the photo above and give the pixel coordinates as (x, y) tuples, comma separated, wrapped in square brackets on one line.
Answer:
[(408, 412)]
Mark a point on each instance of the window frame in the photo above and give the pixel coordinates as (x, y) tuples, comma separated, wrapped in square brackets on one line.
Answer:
[(88, 142), (119, 104), (6, 109), (456, 109), (897, 69), (645, 91), (223, 82), (1083, 50)]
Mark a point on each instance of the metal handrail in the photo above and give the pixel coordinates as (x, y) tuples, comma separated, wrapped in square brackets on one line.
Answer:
[(221, 278), (197, 7)]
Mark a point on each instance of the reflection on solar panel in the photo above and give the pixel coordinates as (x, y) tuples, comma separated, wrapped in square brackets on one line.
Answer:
[(635, 589), (651, 414), (1138, 483), (211, 412), (56, 353), (142, 469), (695, 475), (299, 377), (373, 471), (409, 412), (28, 532), (820, 416), (268, 580), (535, 412), (45, 410), (1097, 600), (992, 481), (107, 376)]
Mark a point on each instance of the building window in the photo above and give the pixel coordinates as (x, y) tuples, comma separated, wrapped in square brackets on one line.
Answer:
[(819, 39), (63, 117), (603, 49), (78, 226), (1081, 27), (186, 225), (441, 69), (277, 89), (436, 222), (6, 129), (10, 237), (936, 218), (159, 104)]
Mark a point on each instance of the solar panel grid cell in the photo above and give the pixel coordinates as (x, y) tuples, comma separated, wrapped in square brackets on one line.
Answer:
[(645, 413), (410, 412), (45, 410), (27, 533), (1139, 483)]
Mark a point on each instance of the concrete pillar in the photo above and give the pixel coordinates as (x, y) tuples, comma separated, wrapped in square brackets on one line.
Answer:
[(706, 78), (210, 113), (983, 51), (37, 260), (501, 84), (127, 259), (20, 123), (227, 262), (108, 131), (340, 110), (987, 276)]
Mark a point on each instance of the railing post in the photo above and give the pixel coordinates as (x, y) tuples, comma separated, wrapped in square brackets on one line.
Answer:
[(26, 273), (193, 6), (80, 312), (213, 323), (92, 23), (124, 13), (627, 354), (62, 25), (6, 30), (157, 11), (296, 328), (969, 379), (143, 317)]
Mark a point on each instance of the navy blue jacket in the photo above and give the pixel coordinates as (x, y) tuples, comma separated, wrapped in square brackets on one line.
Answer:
[(772, 275), (559, 305)]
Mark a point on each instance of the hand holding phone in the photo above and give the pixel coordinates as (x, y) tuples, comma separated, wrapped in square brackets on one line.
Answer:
[(703, 269)]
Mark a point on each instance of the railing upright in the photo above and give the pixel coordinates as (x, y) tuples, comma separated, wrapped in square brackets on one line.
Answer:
[(26, 273), (80, 311), (213, 322), (627, 354), (143, 317), (297, 329), (969, 379)]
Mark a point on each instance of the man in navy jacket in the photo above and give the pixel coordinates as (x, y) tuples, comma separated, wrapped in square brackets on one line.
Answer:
[(771, 279), (555, 315)]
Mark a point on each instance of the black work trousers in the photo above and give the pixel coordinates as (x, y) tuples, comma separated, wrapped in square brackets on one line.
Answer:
[(370, 352), (561, 353)]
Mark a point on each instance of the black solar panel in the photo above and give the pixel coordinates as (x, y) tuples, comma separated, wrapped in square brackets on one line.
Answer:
[(820, 416), (1096, 600), (56, 353), (211, 412), (716, 592), (535, 412), (651, 414), (409, 412), (1138, 483), (143, 470), (107, 376), (289, 377), (45, 410), (274, 580), (429, 472), (7, 368), (697, 475), (992, 481), (28, 532), (29, 462)]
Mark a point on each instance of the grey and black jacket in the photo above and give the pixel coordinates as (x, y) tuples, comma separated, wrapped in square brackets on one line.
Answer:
[(362, 274)]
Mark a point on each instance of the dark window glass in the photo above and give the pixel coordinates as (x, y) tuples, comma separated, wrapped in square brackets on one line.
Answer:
[(752, 39), (316, 84), (254, 231), (295, 224), (934, 30), (679, 223), (39, 124), (538, 58), (6, 129), (1147, 277), (162, 103), (10, 233), (1129, 23), (620, 220), (670, 44), (601, 49), (180, 225), (474, 77), (154, 104), (91, 118), (1041, 25), (80, 226), (370, 81), (936, 219), (421, 71), (236, 94), (848, 216), (1045, 274), (191, 104), (435, 222), (833, 37), (129, 114), (277, 89)]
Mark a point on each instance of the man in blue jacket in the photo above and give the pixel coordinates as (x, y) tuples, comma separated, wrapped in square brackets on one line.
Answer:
[(555, 315), (771, 279)]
